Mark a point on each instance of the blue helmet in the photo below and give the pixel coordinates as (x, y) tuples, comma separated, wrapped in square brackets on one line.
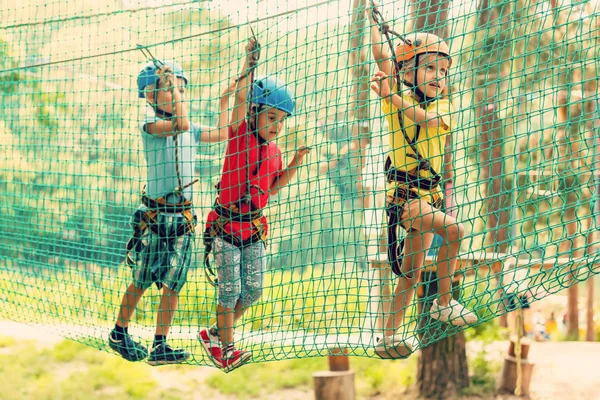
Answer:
[(272, 92), (148, 75)]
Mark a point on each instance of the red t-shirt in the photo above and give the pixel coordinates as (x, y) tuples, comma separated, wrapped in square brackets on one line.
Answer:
[(233, 183)]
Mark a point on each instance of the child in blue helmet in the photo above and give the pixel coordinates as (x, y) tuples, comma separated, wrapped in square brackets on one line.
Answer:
[(236, 228), (160, 249)]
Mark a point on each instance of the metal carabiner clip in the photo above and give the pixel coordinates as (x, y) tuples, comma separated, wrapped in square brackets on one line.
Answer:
[(157, 63)]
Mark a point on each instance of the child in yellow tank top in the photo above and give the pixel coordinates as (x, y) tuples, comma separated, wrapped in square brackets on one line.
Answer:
[(419, 121)]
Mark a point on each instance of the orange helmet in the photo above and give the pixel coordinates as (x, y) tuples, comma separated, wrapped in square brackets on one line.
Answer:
[(421, 43)]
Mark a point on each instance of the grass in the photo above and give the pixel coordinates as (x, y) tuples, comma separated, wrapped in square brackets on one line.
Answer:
[(70, 370)]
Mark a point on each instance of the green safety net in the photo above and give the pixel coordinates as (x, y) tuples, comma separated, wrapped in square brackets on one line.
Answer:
[(522, 178)]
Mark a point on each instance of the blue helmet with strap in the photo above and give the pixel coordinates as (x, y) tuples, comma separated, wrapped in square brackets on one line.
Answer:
[(272, 92), (149, 77)]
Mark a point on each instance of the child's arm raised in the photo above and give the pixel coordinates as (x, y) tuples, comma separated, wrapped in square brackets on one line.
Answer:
[(240, 107), (180, 122), (380, 85), (221, 132), (288, 174), (379, 46)]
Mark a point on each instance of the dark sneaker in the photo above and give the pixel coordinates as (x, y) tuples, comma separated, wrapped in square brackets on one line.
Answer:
[(164, 354), (128, 348), (234, 359)]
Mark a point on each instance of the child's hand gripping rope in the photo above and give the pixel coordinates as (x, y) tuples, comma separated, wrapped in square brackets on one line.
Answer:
[(380, 84)]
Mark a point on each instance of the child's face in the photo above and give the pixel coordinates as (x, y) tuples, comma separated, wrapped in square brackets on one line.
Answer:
[(432, 74), (164, 96), (270, 123)]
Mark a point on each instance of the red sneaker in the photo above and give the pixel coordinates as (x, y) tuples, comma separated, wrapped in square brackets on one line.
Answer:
[(235, 359), (212, 345)]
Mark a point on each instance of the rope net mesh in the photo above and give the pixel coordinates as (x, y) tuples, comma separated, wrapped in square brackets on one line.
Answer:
[(522, 178)]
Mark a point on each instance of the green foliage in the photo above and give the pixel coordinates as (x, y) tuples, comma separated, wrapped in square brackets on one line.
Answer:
[(483, 374), (487, 332), (373, 377)]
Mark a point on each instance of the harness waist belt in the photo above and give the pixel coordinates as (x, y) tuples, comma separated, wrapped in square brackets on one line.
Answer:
[(397, 175), (161, 205)]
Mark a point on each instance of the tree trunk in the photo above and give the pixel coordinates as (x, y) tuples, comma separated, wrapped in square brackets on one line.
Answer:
[(492, 166), (359, 110), (443, 368), (489, 65), (431, 16)]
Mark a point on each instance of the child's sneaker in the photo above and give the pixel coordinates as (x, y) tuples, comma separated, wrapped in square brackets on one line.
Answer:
[(234, 359), (128, 348), (164, 354), (212, 345), (454, 313), (395, 346)]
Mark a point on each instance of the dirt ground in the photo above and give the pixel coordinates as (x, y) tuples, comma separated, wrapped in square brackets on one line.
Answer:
[(562, 371)]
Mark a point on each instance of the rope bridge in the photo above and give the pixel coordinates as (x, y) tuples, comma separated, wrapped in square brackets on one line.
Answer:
[(520, 172)]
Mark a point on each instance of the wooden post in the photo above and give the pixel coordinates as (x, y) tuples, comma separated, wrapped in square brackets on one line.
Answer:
[(569, 156), (338, 360), (594, 221), (507, 381), (338, 385), (442, 365), (338, 382), (590, 334)]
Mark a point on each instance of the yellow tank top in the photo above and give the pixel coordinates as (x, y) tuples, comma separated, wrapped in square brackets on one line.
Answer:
[(430, 144)]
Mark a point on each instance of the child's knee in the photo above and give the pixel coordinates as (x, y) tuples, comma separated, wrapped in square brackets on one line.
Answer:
[(455, 232)]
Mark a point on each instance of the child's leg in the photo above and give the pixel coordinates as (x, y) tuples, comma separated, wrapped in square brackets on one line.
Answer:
[(129, 303), (452, 233), (226, 324), (416, 245), (421, 221), (227, 260), (119, 339), (169, 300), (252, 274), (177, 263), (426, 219), (142, 277), (431, 220)]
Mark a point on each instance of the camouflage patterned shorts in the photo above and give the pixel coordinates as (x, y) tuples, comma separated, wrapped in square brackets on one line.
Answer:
[(163, 258)]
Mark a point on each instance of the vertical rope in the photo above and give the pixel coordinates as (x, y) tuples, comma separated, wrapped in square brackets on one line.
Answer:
[(518, 351)]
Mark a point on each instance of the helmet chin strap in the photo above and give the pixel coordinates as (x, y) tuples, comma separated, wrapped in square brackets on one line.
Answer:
[(159, 111), (254, 128), (423, 98), (162, 113)]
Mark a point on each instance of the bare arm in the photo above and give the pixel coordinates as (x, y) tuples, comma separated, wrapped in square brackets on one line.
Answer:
[(240, 106), (180, 122), (380, 85), (288, 174), (221, 132), (379, 47)]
